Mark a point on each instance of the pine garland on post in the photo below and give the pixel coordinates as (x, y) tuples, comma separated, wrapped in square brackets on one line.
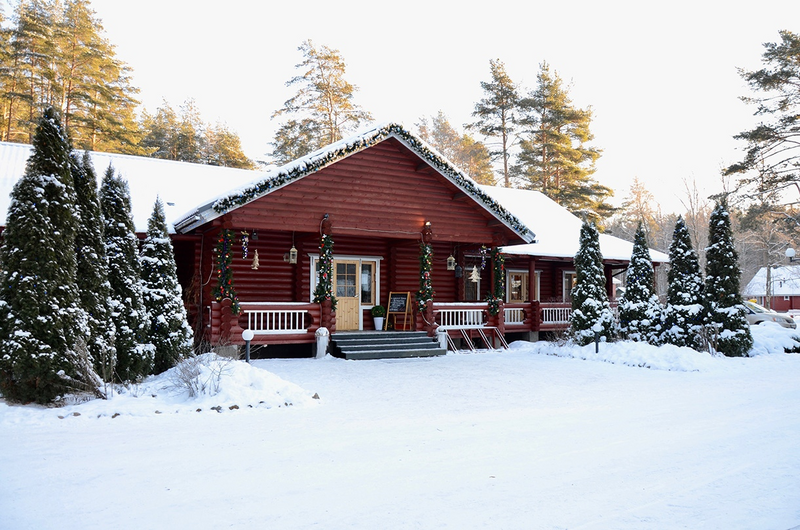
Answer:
[(723, 301), (495, 298), (425, 294), (224, 288), (324, 289), (639, 310)]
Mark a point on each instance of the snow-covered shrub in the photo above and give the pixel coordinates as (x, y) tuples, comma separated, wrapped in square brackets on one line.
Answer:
[(684, 313), (639, 310), (589, 297)]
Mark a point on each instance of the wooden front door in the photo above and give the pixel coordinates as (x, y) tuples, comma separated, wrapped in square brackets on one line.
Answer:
[(345, 286)]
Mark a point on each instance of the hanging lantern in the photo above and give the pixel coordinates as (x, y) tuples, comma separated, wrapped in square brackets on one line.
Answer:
[(293, 255), (474, 276), (459, 271), (254, 266), (451, 263)]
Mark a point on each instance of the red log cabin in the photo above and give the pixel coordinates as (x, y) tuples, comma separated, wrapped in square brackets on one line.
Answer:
[(380, 198)]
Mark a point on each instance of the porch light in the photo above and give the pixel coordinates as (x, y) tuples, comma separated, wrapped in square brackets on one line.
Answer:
[(451, 263), (293, 255), (474, 276)]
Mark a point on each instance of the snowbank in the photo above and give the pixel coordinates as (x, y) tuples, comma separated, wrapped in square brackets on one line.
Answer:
[(768, 338), (207, 383)]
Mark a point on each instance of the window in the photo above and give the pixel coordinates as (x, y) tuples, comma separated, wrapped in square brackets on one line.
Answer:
[(570, 278), (345, 277), (368, 282), (518, 285)]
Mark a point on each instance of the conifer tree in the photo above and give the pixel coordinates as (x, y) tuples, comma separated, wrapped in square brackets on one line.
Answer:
[(496, 114), (639, 310), (323, 103), (589, 297), (723, 301), (169, 332), (43, 326), (555, 157), (134, 353), (462, 150), (92, 267), (684, 313)]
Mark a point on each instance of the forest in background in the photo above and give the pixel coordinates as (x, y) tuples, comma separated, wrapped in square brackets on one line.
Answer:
[(55, 53)]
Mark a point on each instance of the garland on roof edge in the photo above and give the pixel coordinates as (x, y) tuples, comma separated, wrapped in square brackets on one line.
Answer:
[(300, 170)]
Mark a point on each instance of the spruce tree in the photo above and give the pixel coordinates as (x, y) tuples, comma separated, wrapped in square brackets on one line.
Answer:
[(639, 310), (589, 297), (134, 354), (684, 313), (169, 331), (43, 326), (92, 263), (723, 301)]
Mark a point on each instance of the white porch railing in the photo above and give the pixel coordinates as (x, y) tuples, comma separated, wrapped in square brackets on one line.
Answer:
[(461, 315), (275, 321), (556, 315), (513, 315)]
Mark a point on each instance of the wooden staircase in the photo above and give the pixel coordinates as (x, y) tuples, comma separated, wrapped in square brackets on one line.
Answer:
[(384, 345)]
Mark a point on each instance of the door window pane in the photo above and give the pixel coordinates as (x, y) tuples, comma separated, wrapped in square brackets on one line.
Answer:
[(346, 280), (367, 282)]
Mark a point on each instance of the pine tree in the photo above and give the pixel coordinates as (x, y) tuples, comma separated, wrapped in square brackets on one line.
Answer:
[(496, 114), (169, 333), (639, 310), (323, 102), (589, 297), (684, 313), (462, 150), (92, 267), (554, 156), (134, 354), (723, 301), (773, 146), (44, 329)]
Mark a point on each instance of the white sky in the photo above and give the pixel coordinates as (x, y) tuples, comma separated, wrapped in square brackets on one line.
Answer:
[(661, 79)]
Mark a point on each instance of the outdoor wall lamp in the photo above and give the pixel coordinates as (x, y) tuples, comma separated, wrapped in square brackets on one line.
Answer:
[(790, 254), (451, 263)]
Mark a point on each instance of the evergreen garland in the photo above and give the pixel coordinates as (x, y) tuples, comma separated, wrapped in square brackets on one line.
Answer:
[(425, 294), (225, 288), (589, 297), (723, 301), (498, 293), (639, 310), (324, 288), (338, 151)]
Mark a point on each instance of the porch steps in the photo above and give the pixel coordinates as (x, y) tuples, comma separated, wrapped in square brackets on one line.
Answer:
[(384, 344)]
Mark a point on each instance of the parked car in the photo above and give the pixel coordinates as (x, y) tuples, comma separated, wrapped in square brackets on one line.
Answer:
[(757, 314)]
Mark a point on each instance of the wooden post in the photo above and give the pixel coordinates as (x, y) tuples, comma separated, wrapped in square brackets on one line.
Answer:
[(429, 321), (609, 273), (326, 306)]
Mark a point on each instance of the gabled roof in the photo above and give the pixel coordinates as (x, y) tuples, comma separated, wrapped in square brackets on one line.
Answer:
[(285, 175), (181, 185), (557, 230), (785, 282)]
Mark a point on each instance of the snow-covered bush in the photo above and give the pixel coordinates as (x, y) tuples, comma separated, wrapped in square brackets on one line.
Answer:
[(639, 310), (589, 297), (684, 313)]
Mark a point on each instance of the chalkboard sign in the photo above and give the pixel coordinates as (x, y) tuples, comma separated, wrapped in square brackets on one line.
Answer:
[(399, 304)]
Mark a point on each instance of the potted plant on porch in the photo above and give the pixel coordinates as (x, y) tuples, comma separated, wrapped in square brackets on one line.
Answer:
[(378, 314)]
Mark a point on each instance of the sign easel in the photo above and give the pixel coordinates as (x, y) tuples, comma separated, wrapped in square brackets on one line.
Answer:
[(399, 304)]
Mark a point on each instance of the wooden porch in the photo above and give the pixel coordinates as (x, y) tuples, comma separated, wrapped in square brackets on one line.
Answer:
[(297, 322)]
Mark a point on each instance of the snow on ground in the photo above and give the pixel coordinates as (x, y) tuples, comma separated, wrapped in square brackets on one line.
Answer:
[(531, 438)]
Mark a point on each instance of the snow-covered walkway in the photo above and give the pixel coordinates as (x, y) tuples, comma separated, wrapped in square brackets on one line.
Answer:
[(512, 440)]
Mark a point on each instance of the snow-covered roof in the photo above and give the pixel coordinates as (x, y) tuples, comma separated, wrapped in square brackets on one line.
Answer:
[(785, 282), (557, 230), (330, 154), (181, 186)]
